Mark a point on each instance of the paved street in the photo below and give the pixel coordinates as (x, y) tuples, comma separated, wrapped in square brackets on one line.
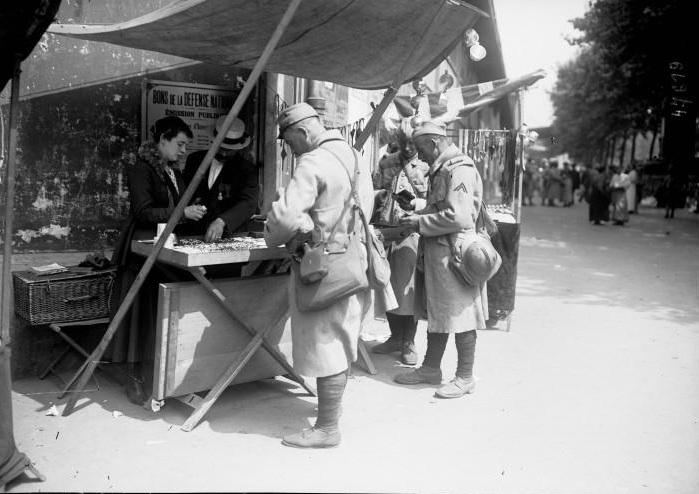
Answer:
[(594, 390)]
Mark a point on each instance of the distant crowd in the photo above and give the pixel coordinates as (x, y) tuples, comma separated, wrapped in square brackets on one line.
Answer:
[(612, 192)]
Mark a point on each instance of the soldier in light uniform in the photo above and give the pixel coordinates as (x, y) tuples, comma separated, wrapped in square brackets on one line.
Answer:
[(324, 342), (450, 306), (402, 171)]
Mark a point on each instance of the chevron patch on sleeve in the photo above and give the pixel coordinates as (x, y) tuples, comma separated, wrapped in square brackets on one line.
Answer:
[(460, 188)]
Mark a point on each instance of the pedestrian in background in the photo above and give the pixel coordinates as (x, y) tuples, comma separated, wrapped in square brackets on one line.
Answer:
[(567, 189), (674, 197), (599, 195), (631, 191), (454, 199), (554, 184), (618, 185)]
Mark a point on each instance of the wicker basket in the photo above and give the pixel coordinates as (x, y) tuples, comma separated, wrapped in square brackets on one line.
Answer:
[(75, 295)]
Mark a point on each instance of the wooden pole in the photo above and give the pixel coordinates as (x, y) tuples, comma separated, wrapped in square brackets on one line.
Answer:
[(393, 88), (177, 213), (9, 209)]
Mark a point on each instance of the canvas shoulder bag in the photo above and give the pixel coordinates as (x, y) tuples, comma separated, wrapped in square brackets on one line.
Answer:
[(324, 277)]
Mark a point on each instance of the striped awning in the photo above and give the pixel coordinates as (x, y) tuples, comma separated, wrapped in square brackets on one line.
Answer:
[(458, 102)]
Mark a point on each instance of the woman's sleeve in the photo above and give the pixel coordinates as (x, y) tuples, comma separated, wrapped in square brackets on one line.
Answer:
[(142, 188)]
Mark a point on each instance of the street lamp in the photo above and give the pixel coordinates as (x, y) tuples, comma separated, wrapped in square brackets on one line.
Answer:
[(476, 50)]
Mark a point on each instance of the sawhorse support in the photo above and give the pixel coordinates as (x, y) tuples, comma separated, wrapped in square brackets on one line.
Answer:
[(71, 344), (258, 339)]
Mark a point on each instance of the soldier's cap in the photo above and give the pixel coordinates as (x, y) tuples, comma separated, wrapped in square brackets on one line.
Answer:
[(430, 128), (294, 114)]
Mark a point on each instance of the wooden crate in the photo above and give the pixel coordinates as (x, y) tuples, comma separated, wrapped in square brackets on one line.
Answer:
[(196, 339)]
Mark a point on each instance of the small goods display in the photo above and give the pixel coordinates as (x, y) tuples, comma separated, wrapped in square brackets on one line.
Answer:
[(501, 213), (195, 245)]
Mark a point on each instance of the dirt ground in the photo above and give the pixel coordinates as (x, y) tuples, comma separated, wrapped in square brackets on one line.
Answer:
[(594, 390)]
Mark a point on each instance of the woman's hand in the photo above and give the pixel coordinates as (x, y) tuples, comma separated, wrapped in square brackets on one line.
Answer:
[(194, 212)]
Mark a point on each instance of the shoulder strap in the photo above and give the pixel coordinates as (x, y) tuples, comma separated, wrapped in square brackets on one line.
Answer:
[(353, 192)]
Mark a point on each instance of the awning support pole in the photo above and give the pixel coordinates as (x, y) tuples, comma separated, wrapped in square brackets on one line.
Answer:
[(91, 363), (9, 208), (395, 85)]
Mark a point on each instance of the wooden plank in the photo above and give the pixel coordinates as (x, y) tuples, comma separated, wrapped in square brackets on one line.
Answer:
[(160, 361), (205, 339), (184, 259), (173, 326)]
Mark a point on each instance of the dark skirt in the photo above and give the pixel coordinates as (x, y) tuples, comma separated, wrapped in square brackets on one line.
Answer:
[(599, 206)]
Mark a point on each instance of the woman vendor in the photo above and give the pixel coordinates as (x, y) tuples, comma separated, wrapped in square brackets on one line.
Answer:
[(156, 185)]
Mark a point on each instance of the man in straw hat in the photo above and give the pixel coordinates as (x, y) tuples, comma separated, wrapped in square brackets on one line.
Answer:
[(448, 304), (324, 342), (403, 183), (230, 189)]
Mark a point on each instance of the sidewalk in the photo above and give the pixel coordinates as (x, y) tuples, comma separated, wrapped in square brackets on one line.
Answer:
[(593, 390)]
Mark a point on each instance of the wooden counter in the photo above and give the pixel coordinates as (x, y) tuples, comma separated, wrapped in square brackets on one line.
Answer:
[(186, 257)]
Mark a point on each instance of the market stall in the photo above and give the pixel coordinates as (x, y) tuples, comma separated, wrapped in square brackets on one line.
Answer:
[(312, 39), (495, 153)]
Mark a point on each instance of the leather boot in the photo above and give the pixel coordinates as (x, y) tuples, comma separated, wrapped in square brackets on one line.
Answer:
[(421, 375), (134, 385), (326, 432), (408, 354), (463, 383), (395, 342)]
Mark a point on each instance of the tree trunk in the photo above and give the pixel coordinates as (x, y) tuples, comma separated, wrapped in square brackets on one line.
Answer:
[(623, 149), (652, 144), (605, 152), (612, 152), (633, 146)]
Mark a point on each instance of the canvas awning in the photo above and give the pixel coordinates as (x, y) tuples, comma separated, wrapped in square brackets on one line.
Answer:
[(358, 43)]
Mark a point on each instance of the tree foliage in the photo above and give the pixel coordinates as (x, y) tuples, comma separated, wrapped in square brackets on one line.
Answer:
[(619, 81)]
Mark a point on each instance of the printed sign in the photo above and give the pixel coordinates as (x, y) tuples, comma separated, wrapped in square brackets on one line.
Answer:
[(197, 104)]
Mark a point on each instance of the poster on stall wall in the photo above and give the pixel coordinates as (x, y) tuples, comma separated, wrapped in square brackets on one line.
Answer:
[(197, 104)]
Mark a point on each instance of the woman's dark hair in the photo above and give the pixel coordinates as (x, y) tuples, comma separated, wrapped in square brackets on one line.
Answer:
[(169, 127)]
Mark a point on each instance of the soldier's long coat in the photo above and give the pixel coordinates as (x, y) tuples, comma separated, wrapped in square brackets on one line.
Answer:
[(453, 203), (324, 342)]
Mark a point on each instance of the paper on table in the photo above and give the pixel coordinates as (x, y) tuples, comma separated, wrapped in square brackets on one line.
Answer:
[(49, 269)]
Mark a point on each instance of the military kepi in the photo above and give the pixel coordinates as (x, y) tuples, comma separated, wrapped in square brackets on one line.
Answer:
[(430, 128), (294, 114)]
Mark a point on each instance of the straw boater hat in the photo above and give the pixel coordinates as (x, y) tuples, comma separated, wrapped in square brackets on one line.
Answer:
[(236, 137)]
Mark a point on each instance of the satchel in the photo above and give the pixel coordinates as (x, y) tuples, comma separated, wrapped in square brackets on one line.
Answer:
[(324, 277), (379, 270), (343, 276)]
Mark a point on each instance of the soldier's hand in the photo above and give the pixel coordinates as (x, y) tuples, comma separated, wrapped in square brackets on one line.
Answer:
[(215, 230), (411, 221)]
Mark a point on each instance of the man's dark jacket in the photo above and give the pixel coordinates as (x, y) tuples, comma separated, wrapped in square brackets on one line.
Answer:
[(233, 197)]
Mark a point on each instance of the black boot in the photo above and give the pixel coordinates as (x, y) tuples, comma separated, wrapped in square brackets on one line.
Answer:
[(395, 342), (463, 383), (134, 384), (430, 372), (326, 432)]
